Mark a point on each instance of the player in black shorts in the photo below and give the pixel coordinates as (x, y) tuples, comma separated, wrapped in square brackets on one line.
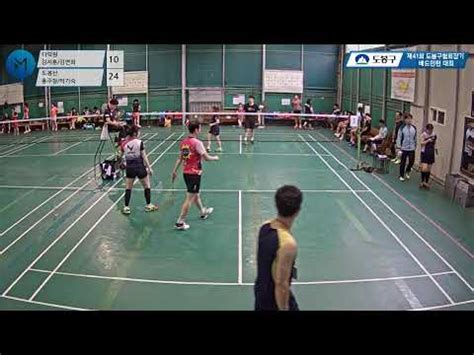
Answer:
[(249, 120), (137, 166), (214, 130)]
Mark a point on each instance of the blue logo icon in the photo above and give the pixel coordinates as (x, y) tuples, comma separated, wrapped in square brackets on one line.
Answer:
[(20, 64), (362, 59)]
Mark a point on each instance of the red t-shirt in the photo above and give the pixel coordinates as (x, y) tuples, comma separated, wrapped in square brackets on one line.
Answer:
[(26, 113), (191, 150), (54, 112)]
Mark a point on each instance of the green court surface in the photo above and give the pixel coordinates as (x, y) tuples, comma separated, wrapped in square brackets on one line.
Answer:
[(366, 241)]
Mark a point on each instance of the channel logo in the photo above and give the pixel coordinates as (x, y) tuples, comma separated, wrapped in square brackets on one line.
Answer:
[(20, 64)]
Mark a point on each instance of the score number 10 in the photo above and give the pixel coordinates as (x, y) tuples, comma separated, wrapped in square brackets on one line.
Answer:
[(114, 68)]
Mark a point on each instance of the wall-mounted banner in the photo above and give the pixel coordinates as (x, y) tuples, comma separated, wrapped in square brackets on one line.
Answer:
[(283, 81), (404, 60), (403, 84)]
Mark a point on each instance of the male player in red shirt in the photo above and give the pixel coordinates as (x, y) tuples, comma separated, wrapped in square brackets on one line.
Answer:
[(191, 152)]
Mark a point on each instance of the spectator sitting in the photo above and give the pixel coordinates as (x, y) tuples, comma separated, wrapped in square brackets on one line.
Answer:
[(378, 139), (342, 126), (364, 121), (333, 121)]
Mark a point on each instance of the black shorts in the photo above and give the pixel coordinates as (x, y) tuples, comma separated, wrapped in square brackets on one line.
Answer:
[(214, 130), (135, 172), (193, 182), (249, 122), (265, 301), (427, 158)]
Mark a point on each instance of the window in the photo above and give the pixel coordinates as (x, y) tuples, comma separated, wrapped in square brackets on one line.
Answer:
[(437, 116)]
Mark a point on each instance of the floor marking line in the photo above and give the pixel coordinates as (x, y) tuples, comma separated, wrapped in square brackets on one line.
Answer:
[(204, 283), (381, 222), (94, 225), (45, 201), (29, 187), (435, 224), (63, 233), (240, 144), (67, 148), (16, 150), (399, 217), (46, 303), (19, 198), (240, 239), (222, 153), (42, 218), (443, 306)]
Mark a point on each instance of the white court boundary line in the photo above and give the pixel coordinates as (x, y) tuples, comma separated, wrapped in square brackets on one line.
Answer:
[(240, 240), (381, 222), (67, 230), (46, 201), (399, 217), (74, 188), (19, 198), (16, 150), (4, 250), (72, 146), (205, 283), (92, 227), (220, 153), (435, 224), (67, 187), (443, 306), (45, 303)]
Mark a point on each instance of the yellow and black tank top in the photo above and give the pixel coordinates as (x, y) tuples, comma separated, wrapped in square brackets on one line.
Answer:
[(272, 236)]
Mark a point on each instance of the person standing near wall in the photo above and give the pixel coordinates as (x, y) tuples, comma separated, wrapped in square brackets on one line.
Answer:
[(296, 107), (26, 116), (406, 142), (16, 129), (136, 108), (398, 123), (249, 120), (308, 109), (428, 150), (54, 117)]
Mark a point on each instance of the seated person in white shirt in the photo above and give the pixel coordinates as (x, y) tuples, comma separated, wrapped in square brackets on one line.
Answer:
[(378, 139)]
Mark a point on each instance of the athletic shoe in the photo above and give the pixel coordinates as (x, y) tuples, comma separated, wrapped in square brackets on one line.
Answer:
[(427, 186), (126, 210), (251, 141), (393, 160), (181, 226), (407, 175), (219, 150), (207, 212), (398, 161), (402, 178), (151, 207), (208, 149)]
